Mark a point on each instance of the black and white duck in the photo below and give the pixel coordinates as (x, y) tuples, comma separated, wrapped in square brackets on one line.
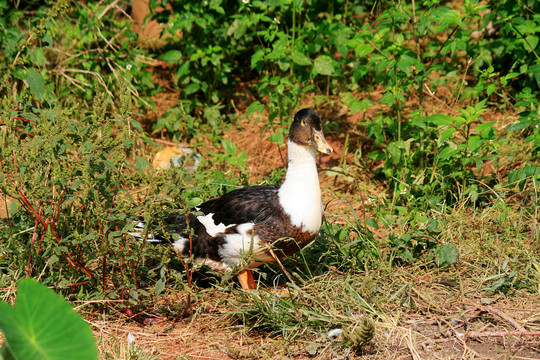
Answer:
[(247, 227)]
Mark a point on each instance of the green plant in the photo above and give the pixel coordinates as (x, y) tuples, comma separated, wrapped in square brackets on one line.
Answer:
[(42, 325), (70, 53), (70, 178)]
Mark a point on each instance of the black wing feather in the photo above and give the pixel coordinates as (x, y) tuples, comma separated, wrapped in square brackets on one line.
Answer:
[(250, 204)]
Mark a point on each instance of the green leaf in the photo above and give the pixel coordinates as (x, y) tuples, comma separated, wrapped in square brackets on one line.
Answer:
[(405, 62), (372, 222), (37, 57), (141, 164), (160, 285), (535, 69), (48, 40), (324, 65), (172, 56), (237, 28), (229, 147), (446, 135), (446, 153), (446, 255), (491, 88), (475, 143), (192, 88), (519, 126), (278, 137), (377, 155), (484, 126), (388, 98), (440, 120), (255, 106), (42, 325), (36, 83), (257, 60), (357, 105), (300, 58)]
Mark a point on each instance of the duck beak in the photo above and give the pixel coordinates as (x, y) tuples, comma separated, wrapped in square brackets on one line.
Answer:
[(320, 142)]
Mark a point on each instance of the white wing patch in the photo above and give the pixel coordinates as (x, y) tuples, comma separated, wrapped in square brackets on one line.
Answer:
[(211, 227), (180, 244)]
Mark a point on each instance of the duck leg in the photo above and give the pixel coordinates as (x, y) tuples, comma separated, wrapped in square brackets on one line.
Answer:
[(246, 279)]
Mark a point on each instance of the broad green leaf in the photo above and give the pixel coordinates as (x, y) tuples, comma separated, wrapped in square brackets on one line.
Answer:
[(324, 65), (446, 255), (395, 153), (257, 59), (357, 105), (42, 325), (446, 135), (440, 120), (160, 285), (38, 57), (491, 88), (229, 147), (519, 126), (192, 88), (377, 155), (278, 137), (487, 125), (535, 69), (475, 143), (363, 50), (405, 62), (36, 83), (372, 222), (446, 153), (300, 58), (183, 70), (388, 98), (255, 106), (172, 56)]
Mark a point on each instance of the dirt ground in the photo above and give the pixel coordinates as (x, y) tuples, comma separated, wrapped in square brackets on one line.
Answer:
[(451, 334)]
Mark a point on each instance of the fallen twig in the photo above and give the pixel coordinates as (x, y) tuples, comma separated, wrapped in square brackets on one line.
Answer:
[(505, 317), (502, 333)]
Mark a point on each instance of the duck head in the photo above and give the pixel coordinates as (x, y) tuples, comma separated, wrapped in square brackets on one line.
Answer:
[(307, 130)]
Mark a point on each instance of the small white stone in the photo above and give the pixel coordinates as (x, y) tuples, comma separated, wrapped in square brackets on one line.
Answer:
[(130, 339), (334, 333)]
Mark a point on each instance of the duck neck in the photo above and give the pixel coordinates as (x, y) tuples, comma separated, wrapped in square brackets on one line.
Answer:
[(300, 193)]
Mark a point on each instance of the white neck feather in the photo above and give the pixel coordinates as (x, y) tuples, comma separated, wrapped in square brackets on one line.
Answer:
[(300, 193)]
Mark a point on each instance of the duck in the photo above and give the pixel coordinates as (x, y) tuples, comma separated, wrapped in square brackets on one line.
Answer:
[(254, 225)]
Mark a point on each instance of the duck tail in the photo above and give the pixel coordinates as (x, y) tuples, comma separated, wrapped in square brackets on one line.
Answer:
[(140, 233)]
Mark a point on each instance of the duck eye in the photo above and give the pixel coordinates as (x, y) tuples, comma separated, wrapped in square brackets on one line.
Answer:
[(303, 123)]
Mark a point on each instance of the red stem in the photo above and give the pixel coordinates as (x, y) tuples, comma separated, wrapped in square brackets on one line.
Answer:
[(30, 250), (104, 260), (68, 254)]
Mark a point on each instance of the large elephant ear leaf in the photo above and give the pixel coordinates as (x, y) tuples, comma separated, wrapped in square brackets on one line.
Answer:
[(42, 325)]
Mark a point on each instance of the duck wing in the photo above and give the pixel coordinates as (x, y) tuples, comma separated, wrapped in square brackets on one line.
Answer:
[(253, 204)]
